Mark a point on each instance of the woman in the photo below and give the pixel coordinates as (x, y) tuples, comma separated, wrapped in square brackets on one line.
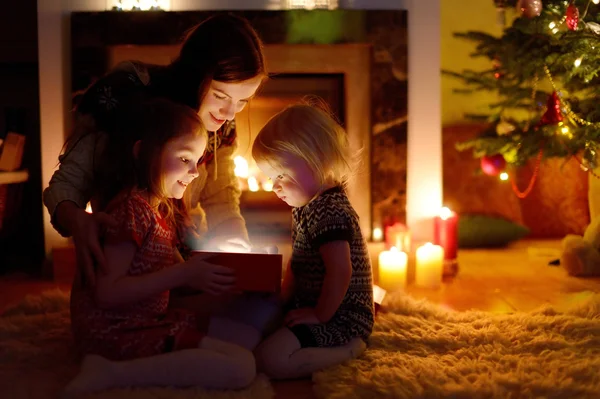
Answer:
[(219, 69)]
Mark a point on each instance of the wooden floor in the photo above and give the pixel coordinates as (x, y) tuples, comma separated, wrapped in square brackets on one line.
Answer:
[(517, 278)]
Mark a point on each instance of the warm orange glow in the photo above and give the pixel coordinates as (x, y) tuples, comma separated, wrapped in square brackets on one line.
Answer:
[(253, 184), (377, 234)]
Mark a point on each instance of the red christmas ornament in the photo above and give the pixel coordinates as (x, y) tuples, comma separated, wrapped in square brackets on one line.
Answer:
[(530, 8), (497, 65), (493, 165), (553, 114), (572, 17)]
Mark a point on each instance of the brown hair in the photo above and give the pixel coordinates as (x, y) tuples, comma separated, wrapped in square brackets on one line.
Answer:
[(154, 123), (223, 47)]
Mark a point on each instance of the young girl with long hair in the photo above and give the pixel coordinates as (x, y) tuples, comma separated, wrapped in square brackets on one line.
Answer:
[(327, 289), (123, 324)]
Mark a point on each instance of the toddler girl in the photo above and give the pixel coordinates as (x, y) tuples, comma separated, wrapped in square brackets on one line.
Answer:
[(327, 289)]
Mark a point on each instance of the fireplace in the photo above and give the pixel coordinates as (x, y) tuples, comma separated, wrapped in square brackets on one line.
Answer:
[(337, 73)]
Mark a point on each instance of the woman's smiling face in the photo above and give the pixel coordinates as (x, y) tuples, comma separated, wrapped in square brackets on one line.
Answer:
[(223, 100)]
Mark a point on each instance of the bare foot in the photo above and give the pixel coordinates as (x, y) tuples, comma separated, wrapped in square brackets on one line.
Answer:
[(95, 375), (357, 347)]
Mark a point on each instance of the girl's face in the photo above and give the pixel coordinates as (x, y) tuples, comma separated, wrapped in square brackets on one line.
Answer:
[(179, 163), (224, 100), (294, 183)]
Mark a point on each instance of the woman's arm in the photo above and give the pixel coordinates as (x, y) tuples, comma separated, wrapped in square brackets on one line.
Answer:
[(70, 187), (338, 271)]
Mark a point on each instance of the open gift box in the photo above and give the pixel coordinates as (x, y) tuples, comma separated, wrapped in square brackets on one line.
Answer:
[(256, 272)]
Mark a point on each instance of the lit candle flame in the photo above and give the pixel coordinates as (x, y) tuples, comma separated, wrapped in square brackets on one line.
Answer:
[(253, 184), (445, 213), (377, 234), (241, 167), (267, 185)]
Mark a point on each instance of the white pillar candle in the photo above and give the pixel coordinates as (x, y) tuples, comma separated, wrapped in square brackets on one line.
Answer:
[(429, 265), (392, 269)]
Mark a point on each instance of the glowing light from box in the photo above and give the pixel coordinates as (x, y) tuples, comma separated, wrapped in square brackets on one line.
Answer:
[(504, 176), (138, 5), (311, 4), (253, 184), (377, 234), (241, 167), (267, 185)]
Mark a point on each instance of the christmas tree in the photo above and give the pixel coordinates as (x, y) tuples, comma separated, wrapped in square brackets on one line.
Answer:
[(544, 69)]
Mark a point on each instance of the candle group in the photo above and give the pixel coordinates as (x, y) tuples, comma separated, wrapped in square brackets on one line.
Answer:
[(431, 259), (392, 269)]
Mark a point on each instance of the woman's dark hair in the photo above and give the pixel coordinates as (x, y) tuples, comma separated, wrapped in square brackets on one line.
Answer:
[(223, 47)]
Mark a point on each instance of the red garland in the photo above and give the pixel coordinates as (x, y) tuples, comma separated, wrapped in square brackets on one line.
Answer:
[(523, 194)]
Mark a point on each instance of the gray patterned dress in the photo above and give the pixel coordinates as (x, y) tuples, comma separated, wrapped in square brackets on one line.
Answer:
[(330, 217)]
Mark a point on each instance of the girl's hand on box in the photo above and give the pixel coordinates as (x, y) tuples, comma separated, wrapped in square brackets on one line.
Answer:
[(209, 277)]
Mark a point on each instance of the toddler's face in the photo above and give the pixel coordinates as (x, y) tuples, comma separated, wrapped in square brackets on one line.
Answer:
[(293, 183)]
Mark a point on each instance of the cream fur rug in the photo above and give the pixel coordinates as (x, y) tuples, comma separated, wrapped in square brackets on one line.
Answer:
[(420, 350), (37, 360)]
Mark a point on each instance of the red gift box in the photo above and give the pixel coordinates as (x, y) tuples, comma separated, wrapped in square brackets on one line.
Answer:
[(258, 272)]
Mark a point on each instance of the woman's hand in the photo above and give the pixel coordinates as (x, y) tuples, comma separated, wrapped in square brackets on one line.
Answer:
[(301, 316), (209, 277), (86, 230)]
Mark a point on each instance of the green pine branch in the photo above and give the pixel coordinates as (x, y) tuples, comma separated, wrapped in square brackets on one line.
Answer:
[(520, 56)]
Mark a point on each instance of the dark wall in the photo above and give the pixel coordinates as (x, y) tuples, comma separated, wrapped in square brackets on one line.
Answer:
[(21, 234)]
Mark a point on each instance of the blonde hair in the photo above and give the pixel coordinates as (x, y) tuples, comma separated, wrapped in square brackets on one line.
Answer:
[(308, 131)]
